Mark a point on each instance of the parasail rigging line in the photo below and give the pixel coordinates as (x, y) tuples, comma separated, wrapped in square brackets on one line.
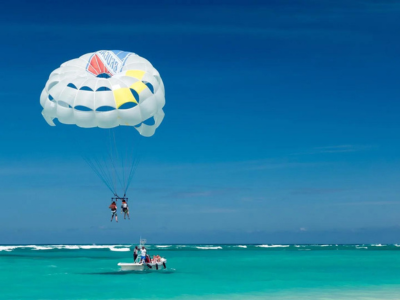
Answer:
[(132, 172), (110, 166), (97, 172), (105, 169)]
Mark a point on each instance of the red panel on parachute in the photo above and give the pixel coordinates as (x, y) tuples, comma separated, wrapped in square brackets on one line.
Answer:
[(97, 67)]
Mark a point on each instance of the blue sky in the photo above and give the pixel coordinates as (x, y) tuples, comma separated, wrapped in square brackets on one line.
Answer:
[(281, 123)]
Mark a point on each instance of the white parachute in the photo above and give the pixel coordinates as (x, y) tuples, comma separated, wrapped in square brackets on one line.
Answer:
[(105, 89)]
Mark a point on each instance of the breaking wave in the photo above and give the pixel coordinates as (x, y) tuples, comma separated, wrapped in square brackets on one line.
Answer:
[(41, 248), (7, 248), (95, 247), (70, 247), (209, 247), (120, 249), (273, 246)]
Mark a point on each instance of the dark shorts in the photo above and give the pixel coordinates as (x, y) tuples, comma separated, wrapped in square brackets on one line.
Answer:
[(114, 212)]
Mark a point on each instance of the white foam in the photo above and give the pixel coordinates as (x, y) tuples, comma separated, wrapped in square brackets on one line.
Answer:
[(120, 249), (70, 247), (65, 247), (241, 246), (10, 248), (378, 245), (7, 248), (209, 248), (41, 248), (361, 247), (163, 246), (273, 246), (87, 247)]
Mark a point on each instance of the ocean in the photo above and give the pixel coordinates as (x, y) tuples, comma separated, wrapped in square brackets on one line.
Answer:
[(202, 272)]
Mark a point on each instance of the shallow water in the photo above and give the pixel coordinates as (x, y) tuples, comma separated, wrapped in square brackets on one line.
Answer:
[(202, 271)]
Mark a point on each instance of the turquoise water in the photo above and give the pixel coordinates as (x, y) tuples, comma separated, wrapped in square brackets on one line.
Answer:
[(202, 272)]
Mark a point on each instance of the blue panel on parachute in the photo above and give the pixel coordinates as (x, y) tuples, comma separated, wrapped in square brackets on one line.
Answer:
[(121, 54)]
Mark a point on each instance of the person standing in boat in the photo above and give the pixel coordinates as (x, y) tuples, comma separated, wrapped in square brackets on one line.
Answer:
[(143, 254), (135, 253)]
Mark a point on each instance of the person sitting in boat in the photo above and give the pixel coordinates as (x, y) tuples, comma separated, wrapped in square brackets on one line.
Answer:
[(142, 254), (113, 208), (125, 209), (156, 258), (148, 259)]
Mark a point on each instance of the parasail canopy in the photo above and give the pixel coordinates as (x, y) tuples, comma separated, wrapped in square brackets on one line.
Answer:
[(105, 89)]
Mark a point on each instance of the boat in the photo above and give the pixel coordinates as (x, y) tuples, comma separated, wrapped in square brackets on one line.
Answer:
[(138, 265)]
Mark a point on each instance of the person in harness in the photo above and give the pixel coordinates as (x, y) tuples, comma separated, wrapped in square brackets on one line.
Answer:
[(113, 208), (125, 209)]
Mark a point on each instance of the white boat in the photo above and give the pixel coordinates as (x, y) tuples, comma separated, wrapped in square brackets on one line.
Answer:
[(137, 266), (160, 264)]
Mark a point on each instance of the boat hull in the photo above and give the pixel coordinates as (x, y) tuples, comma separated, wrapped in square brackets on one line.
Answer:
[(141, 267)]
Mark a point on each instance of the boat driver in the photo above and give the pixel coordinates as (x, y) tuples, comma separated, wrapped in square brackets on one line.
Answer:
[(142, 254)]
